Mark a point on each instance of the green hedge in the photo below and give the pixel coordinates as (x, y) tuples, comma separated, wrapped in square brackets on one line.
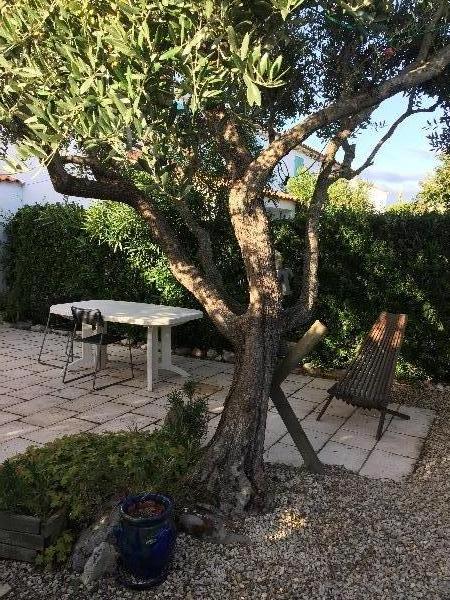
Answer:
[(369, 263), (374, 262)]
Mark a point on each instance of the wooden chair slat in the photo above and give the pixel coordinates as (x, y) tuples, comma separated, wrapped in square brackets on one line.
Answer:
[(369, 379)]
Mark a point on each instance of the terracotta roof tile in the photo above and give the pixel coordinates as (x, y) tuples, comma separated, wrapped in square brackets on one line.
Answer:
[(9, 179)]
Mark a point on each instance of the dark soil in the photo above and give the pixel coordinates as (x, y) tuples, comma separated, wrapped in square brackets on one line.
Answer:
[(147, 509)]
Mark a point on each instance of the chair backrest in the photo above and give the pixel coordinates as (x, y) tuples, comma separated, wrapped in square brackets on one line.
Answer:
[(90, 316)]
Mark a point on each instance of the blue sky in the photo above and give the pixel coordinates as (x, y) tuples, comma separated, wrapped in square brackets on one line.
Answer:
[(404, 160)]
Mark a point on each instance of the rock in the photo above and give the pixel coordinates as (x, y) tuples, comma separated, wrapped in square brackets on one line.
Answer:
[(22, 325), (143, 347), (211, 354), (197, 353), (92, 537), (5, 588), (124, 342), (38, 328), (103, 561), (193, 524), (209, 527), (440, 387), (228, 356)]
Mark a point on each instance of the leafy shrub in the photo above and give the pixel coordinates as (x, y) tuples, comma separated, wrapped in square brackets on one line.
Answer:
[(50, 258), (187, 416), (84, 472), (374, 262), (396, 261)]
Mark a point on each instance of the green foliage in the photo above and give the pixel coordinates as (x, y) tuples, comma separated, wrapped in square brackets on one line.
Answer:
[(375, 262), (50, 258), (369, 263), (187, 416), (57, 553), (353, 194), (434, 194), (83, 473)]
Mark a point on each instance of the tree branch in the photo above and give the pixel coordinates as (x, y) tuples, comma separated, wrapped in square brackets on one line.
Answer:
[(348, 173), (261, 168), (231, 145), (430, 35), (184, 270), (302, 310)]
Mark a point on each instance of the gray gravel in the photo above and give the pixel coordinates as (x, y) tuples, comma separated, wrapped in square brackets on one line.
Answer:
[(340, 536)]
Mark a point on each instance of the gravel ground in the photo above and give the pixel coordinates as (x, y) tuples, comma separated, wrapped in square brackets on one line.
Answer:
[(340, 536)]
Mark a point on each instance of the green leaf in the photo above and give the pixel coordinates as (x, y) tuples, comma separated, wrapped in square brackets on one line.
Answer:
[(244, 46), (208, 8), (170, 53), (263, 63)]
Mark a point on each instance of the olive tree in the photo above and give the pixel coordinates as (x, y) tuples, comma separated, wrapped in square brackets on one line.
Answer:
[(105, 90)]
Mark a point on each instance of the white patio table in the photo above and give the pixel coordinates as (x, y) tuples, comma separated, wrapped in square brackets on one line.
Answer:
[(156, 318)]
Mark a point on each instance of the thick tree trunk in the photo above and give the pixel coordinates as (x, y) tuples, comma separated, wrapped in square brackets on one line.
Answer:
[(231, 470)]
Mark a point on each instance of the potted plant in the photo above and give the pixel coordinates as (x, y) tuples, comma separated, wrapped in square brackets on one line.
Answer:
[(146, 539)]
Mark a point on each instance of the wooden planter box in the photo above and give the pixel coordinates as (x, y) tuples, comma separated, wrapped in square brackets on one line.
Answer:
[(22, 537)]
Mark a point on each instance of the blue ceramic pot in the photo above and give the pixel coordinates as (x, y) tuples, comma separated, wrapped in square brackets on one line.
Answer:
[(146, 544)]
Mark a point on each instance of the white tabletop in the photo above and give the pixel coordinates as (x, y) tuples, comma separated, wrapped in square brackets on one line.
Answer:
[(133, 313)]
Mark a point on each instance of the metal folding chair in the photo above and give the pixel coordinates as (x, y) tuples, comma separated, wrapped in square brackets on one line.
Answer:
[(100, 339), (46, 331)]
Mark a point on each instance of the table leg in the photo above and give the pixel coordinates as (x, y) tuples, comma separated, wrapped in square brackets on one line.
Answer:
[(89, 351), (152, 357), (166, 353)]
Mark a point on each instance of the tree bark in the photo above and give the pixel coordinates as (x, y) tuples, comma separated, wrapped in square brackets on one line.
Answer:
[(232, 467)]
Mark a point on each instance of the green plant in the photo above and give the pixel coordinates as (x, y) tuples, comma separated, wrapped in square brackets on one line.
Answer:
[(84, 473), (58, 552), (187, 416)]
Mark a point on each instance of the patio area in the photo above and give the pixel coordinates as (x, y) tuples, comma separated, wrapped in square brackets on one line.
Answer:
[(36, 407)]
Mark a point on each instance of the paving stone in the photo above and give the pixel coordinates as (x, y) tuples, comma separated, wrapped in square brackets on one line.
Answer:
[(280, 453), (355, 439), (6, 417), (327, 424), (316, 438), (33, 391), (289, 387), (12, 447), (127, 422), (69, 392), (339, 454), (48, 417), (12, 374), (67, 427), (302, 408), (104, 412), (275, 428), (417, 427), (363, 424), (134, 400), (15, 429), (154, 411), (383, 465), (338, 408), (311, 394), (6, 400), (85, 403), (37, 404), (398, 443), (321, 383)]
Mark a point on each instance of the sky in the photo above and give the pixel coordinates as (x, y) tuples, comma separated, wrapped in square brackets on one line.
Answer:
[(404, 160)]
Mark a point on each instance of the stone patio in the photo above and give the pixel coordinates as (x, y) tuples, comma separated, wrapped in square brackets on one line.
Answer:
[(36, 407)]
